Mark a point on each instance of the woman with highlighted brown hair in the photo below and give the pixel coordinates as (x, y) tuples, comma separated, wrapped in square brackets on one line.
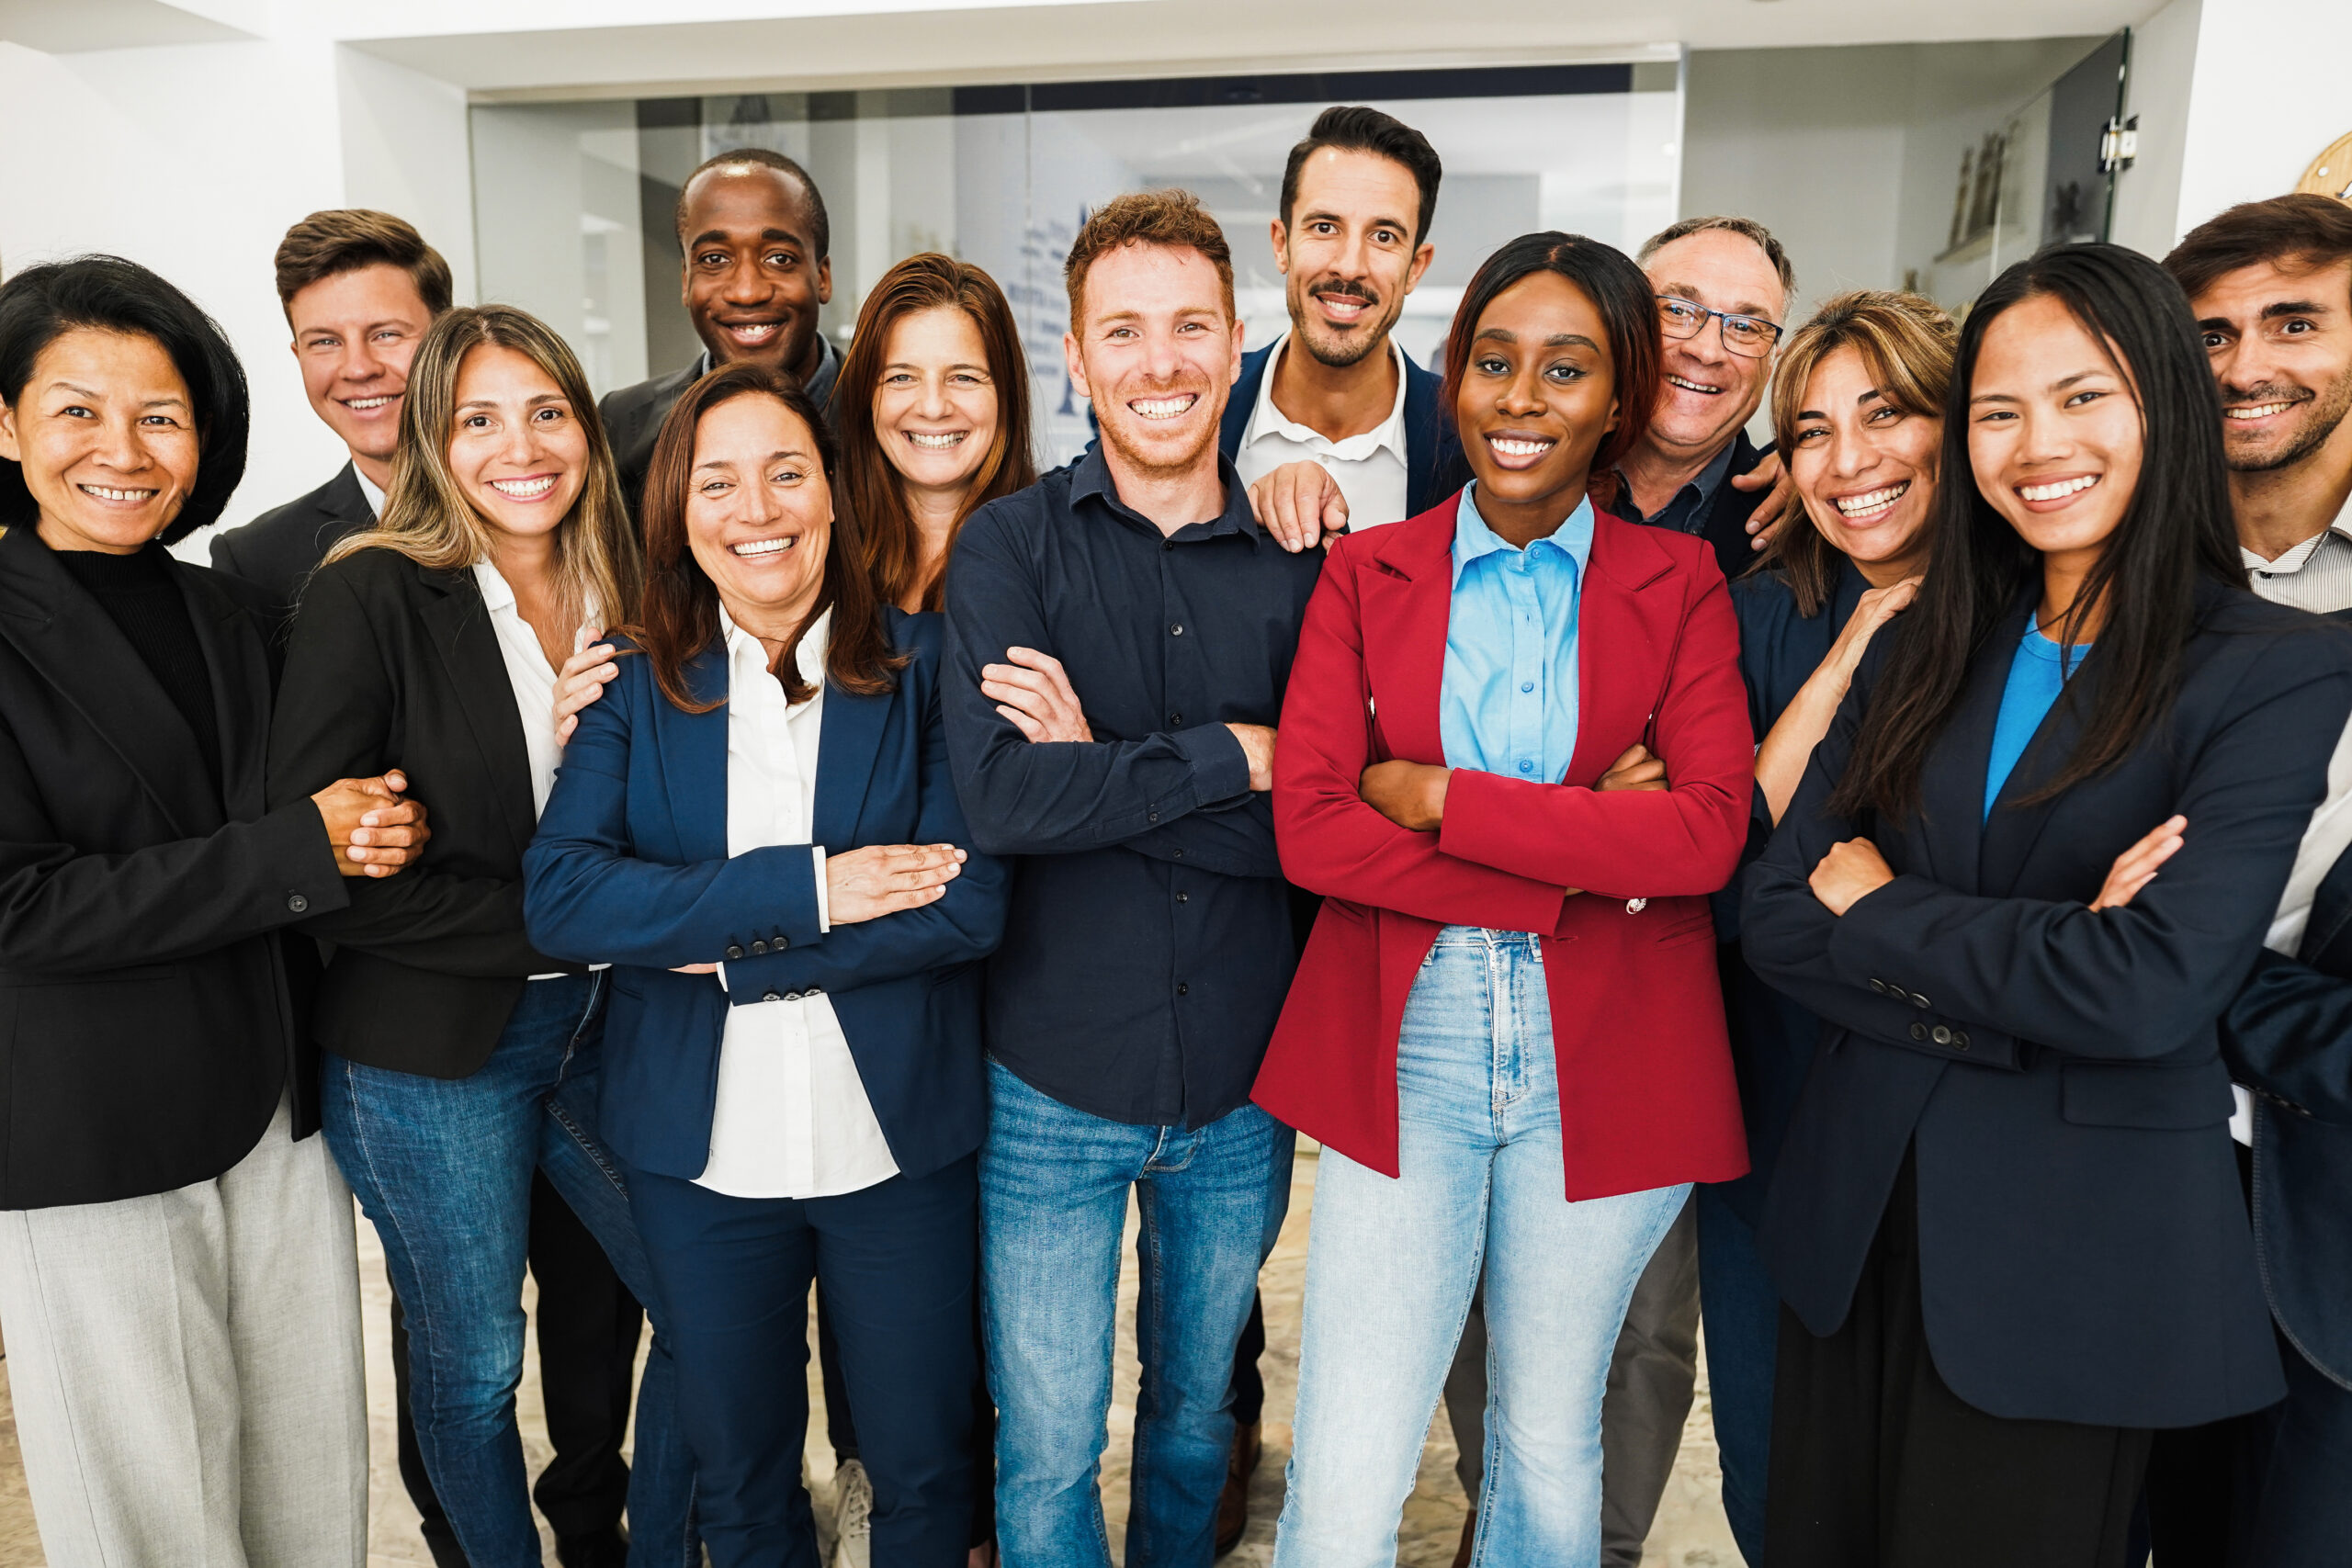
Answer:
[(461, 1058), (932, 412), (1858, 416), (756, 826)]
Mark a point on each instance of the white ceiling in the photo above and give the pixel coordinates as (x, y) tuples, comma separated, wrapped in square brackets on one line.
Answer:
[(528, 49)]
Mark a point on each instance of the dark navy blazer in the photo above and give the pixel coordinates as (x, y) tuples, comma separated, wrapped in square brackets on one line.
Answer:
[(2288, 1036), (630, 866), (2084, 1249), (1433, 463), (1772, 1034)]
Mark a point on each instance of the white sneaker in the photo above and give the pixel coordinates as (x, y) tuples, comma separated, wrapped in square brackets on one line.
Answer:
[(852, 1516)]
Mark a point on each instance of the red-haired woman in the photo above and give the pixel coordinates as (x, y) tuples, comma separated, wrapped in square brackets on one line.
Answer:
[(755, 826), (932, 411), (1546, 999)]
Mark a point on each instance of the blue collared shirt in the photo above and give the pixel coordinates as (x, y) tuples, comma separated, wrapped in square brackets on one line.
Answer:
[(1508, 703)]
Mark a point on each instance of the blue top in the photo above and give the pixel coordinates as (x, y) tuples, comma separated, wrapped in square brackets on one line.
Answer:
[(1508, 703), (1148, 945), (2037, 674)]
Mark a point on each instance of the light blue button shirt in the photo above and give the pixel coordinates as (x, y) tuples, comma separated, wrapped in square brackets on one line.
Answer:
[(1508, 703)]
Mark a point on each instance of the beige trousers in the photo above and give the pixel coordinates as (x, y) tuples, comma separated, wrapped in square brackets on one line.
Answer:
[(186, 1370)]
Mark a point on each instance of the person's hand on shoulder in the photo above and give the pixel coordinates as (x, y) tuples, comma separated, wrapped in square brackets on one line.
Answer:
[(582, 679), (1772, 475), (1300, 505)]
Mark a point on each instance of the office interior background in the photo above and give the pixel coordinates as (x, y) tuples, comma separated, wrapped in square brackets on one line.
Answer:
[(1915, 142)]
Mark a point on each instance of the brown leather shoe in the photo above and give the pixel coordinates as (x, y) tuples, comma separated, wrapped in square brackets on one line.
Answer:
[(1233, 1503), (1469, 1534)]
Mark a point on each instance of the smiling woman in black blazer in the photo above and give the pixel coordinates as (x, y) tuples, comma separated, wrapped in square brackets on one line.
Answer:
[(2006, 1218), (175, 1250), (460, 1059)]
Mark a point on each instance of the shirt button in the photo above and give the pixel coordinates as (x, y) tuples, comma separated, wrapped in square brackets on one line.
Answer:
[(1918, 1032), (734, 949), (1940, 1035), (1182, 987), (773, 997), (1177, 629), (1526, 767), (1176, 718), (1151, 816), (1167, 544), (1527, 686), (1184, 897), (296, 903), (1176, 854)]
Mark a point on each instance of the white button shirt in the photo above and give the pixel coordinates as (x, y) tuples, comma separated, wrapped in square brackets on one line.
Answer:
[(792, 1118), (1370, 467)]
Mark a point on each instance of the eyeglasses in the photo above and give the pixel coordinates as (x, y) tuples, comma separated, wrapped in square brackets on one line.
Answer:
[(1750, 336)]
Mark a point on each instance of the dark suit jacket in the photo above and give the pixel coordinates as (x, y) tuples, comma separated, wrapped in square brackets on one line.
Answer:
[(631, 866), (391, 665), (1433, 465), (1723, 516), (633, 417), (148, 1016), (2288, 1036), (2084, 1249), (278, 550)]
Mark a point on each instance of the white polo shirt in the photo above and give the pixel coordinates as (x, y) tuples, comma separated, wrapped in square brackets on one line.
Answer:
[(1370, 467)]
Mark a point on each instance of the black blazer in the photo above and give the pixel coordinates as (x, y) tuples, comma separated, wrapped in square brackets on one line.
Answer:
[(148, 1009), (2288, 1036), (394, 666), (2084, 1249), (633, 417), (278, 550)]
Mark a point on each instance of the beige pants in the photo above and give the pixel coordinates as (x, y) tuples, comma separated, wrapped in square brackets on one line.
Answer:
[(186, 1370)]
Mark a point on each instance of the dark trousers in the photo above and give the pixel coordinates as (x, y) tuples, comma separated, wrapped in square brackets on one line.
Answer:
[(1877, 1464), (840, 1423), (1742, 1309), (896, 1263), (589, 1326)]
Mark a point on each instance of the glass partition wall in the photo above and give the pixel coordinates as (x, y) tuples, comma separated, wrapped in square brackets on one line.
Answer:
[(574, 200)]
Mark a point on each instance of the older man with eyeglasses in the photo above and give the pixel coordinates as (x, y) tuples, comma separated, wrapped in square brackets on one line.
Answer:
[(1724, 287)]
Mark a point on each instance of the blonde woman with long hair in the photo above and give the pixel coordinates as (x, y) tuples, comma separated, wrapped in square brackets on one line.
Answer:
[(457, 1059)]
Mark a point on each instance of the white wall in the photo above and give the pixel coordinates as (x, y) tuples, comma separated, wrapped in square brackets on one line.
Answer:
[(2270, 92), (194, 159)]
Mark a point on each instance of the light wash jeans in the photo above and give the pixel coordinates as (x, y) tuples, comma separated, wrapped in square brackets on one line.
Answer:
[(1054, 1185), (1391, 1264)]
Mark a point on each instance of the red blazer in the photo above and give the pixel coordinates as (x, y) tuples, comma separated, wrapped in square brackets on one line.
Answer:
[(1647, 1094)]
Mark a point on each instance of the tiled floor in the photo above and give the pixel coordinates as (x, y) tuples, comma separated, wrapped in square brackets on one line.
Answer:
[(1691, 1532)]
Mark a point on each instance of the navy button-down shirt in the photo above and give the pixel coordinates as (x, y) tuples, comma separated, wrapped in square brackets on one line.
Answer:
[(1148, 945)]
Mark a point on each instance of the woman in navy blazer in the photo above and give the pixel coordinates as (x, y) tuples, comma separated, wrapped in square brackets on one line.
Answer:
[(2006, 1216), (754, 826)]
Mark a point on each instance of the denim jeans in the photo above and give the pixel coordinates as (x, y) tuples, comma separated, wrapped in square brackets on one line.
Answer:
[(443, 1167), (1742, 1309), (1391, 1266), (1054, 1185)]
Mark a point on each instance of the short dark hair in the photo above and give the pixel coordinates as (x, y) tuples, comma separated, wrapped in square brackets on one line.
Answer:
[(1745, 228), (107, 294), (345, 239), (746, 157), (1354, 127), (1171, 218), (2296, 232)]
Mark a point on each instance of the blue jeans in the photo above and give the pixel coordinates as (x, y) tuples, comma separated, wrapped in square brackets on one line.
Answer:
[(1742, 1309), (1391, 1266), (1054, 1185), (897, 1263), (443, 1166)]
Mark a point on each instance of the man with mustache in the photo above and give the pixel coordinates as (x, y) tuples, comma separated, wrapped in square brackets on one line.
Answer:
[(2270, 286), (1147, 948), (755, 245)]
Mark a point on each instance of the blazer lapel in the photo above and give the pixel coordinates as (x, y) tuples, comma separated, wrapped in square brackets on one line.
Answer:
[(694, 757), (459, 622), (64, 634), (849, 738), (241, 691), (2012, 830), (1952, 788), (1420, 435), (1623, 645), (1408, 596)]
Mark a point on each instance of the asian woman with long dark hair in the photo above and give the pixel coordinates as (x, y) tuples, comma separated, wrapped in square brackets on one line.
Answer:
[(2005, 1218)]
